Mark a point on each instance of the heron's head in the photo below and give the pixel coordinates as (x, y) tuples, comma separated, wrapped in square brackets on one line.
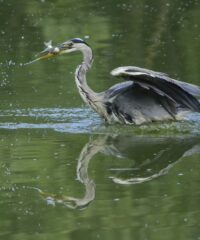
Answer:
[(75, 44)]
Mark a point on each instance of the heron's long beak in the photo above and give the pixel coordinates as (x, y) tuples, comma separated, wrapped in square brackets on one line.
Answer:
[(51, 51)]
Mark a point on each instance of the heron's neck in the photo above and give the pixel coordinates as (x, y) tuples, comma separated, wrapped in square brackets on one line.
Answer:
[(87, 94)]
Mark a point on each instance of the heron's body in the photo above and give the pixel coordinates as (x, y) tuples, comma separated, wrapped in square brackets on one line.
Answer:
[(145, 96)]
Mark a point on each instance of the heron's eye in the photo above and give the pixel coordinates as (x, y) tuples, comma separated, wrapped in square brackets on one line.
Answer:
[(70, 44)]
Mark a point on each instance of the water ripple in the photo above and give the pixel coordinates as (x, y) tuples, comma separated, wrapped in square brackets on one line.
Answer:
[(76, 120), (84, 120)]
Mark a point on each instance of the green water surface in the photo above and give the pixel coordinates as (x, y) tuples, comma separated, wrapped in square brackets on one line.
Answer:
[(65, 174)]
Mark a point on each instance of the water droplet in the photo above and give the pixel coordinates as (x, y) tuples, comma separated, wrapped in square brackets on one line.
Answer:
[(180, 174), (116, 199)]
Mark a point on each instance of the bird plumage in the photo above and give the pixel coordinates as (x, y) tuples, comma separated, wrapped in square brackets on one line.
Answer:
[(145, 96), (151, 96)]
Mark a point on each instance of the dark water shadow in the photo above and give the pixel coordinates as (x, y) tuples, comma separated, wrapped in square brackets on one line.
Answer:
[(160, 155)]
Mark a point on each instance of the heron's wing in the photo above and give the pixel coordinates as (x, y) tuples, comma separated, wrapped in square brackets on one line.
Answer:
[(174, 90)]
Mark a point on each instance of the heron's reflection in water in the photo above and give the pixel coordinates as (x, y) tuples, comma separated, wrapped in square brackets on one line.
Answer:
[(150, 158)]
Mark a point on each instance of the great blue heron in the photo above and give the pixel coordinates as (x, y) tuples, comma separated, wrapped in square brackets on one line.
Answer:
[(145, 96)]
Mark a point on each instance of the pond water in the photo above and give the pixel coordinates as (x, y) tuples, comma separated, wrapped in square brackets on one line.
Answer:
[(64, 173)]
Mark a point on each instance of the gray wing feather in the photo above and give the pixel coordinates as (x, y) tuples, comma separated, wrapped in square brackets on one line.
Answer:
[(177, 91)]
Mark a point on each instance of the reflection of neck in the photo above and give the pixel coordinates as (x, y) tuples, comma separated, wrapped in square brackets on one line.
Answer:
[(87, 153)]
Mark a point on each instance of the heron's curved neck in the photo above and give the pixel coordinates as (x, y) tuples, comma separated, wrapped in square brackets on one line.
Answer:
[(87, 94)]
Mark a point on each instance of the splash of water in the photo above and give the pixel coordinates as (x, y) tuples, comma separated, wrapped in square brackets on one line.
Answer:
[(83, 120)]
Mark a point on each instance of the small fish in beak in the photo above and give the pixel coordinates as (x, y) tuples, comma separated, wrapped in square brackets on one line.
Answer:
[(47, 53)]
